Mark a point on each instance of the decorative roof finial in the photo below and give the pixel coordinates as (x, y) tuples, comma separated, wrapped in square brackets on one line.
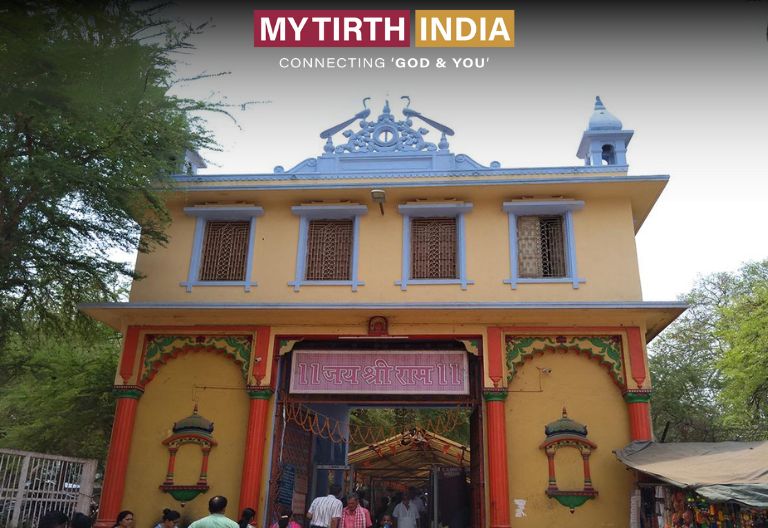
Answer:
[(605, 141), (565, 413), (194, 411), (328, 148), (386, 107), (599, 103), (602, 119), (443, 145)]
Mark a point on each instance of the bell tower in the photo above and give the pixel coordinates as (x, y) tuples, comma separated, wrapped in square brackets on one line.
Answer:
[(605, 141)]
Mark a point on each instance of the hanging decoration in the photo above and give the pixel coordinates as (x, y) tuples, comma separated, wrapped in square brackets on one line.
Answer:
[(667, 506), (341, 432)]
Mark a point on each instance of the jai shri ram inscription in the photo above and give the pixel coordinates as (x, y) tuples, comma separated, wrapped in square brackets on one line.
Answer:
[(377, 372)]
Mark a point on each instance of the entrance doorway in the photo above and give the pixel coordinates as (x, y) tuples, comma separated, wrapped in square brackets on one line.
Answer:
[(432, 451), (432, 470)]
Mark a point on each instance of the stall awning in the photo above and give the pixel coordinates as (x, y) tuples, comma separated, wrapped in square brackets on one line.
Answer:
[(391, 459), (719, 471)]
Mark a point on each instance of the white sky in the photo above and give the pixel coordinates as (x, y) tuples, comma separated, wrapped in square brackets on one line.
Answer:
[(698, 107)]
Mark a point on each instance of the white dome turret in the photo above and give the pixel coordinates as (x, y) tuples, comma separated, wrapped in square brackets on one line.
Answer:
[(602, 119), (605, 141)]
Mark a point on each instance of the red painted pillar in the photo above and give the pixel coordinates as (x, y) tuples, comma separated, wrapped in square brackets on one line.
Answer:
[(253, 465), (497, 458), (636, 355), (587, 473), (552, 484), (117, 459), (204, 467), (639, 407), (638, 400), (171, 465), (495, 355)]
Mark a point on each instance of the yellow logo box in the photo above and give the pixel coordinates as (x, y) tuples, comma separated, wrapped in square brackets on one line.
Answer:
[(465, 28)]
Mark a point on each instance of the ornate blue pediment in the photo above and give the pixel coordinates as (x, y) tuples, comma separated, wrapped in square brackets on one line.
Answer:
[(385, 144)]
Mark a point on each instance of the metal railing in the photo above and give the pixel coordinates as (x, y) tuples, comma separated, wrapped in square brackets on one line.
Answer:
[(32, 484)]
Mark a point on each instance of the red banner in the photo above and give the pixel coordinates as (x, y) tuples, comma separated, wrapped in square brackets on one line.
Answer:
[(323, 28), (377, 372)]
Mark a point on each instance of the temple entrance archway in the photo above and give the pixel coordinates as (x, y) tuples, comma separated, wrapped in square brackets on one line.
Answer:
[(316, 443)]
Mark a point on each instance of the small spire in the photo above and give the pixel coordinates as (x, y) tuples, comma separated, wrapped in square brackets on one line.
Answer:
[(565, 413), (443, 145), (194, 411), (386, 107), (599, 103), (328, 148)]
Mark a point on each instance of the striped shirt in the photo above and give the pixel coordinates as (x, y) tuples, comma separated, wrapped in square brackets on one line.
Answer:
[(323, 509)]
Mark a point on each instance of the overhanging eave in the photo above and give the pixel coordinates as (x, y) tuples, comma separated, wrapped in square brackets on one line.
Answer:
[(655, 316)]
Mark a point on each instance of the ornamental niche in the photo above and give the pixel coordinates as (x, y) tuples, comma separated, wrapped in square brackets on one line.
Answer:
[(194, 429), (564, 433)]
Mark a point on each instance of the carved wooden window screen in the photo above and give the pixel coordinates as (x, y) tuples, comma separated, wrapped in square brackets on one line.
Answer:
[(433, 248), (225, 251), (541, 246), (329, 250)]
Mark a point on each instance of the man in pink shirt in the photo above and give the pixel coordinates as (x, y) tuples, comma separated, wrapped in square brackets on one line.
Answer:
[(354, 515)]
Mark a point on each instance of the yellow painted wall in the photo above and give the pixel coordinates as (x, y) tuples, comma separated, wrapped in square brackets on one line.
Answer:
[(591, 398), (605, 253), (578, 383), (167, 399)]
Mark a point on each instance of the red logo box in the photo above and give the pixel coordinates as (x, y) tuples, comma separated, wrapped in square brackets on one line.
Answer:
[(326, 28)]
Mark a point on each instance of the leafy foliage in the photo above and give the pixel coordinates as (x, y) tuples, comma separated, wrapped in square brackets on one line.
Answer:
[(743, 326), (710, 367), (89, 134), (57, 395)]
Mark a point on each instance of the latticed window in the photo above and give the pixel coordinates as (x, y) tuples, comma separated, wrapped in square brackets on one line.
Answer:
[(541, 246), (225, 251), (433, 248), (329, 250)]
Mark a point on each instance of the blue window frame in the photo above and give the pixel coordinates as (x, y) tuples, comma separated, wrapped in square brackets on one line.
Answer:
[(205, 214), (307, 213), (563, 208), (455, 210)]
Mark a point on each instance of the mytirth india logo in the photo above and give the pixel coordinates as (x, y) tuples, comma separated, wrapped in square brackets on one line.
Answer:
[(384, 28)]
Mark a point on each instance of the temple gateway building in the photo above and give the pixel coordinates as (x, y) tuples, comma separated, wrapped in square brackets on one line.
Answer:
[(390, 273)]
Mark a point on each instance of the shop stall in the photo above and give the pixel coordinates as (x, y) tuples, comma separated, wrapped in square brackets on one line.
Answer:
[(698, 484)]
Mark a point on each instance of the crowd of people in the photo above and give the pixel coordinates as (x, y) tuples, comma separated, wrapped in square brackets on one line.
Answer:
[(399, 511), (169, 519), (330, 511)]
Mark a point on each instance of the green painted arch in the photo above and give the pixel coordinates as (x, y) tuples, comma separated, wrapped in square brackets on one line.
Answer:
[(605, 349), (162, 348)]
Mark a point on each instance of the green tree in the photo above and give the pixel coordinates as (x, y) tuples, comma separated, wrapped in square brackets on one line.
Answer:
[(700, 365), (743, 326), (89, 134), (59, 395)]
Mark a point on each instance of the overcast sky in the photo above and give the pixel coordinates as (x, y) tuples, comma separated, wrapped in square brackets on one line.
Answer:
[(692, 85)]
